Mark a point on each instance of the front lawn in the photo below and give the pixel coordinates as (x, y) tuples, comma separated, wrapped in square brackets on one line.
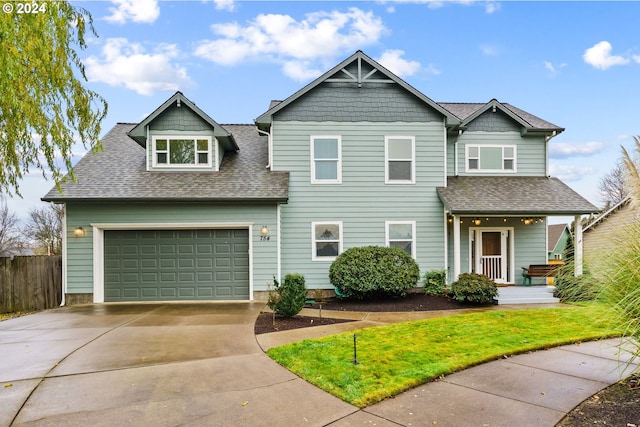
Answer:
[(394, 358)]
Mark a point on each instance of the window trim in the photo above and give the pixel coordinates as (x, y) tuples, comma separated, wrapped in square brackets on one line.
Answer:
[(211, 152), (479, 147), (387, 180), (314, 241), (314, 180), (413, 235)]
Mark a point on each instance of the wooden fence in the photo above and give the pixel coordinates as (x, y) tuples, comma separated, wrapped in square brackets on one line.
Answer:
[(29, 283)]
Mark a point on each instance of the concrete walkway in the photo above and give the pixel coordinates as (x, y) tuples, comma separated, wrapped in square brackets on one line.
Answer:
[(201, 365)]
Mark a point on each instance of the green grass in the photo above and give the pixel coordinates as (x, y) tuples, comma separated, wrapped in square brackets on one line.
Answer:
[(397, 357)]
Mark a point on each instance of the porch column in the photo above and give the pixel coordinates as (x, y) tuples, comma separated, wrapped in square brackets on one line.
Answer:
[(456, 248), (577, 250)]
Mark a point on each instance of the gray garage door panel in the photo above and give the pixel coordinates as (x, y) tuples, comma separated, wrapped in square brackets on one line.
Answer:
[(161, 265)]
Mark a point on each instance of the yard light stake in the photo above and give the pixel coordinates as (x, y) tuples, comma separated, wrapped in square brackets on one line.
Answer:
[(355, 354)]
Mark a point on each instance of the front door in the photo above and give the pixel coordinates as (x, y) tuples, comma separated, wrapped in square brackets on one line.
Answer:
[(491, 253)]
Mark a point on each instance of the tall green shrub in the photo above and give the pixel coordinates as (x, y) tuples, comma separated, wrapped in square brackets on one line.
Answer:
[(287, 299), (374, 271)]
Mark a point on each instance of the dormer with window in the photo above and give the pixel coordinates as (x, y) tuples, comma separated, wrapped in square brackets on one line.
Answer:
[(179, 136)]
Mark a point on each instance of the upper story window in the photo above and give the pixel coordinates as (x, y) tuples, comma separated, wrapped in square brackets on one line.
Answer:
[(327, 240), (180, 151), (326, 159), (491, 158), (400, 156)]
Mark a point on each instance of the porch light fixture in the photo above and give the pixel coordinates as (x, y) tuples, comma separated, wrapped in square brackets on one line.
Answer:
[(476, 221), (527, 221), (264, 230), (78, 231)]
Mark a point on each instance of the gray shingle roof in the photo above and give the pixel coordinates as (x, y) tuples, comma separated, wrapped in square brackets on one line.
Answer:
[(516, 195), (466, 110), (118, 172)]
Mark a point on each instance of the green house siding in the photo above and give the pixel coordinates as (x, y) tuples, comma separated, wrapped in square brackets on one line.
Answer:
[(362, 202), (530, 152), (80, 250), (345, 102)]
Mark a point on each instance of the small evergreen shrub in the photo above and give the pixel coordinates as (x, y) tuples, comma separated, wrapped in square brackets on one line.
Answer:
[(475, 288), (374, 271), (435, 282), (287, 299)]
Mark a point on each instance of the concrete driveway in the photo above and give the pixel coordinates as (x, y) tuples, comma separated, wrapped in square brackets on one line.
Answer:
[(150, 365)]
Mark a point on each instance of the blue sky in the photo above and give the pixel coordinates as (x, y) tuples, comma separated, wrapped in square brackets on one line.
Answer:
[(575, 64)]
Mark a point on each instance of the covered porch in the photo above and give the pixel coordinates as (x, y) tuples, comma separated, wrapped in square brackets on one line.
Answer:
[(496, 225)]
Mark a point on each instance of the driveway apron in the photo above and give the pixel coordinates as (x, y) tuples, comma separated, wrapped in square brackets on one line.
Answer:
[(150, 364)]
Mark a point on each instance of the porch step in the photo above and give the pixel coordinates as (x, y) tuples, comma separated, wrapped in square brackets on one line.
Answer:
[(526, 295)]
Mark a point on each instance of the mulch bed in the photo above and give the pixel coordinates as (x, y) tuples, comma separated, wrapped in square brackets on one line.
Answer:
[(617, 405), (412, 302)]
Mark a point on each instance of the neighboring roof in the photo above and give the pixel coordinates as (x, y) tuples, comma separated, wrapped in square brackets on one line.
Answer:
[(516, 195), (139, 132), (265, 119), (607, 214), (467, 112), (118, 172), (554, 233)]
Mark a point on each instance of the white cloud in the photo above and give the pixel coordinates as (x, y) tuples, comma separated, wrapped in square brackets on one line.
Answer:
[(300, 70), (563, 150), (392, 59), (283, 39), (599, 56), (490, 6), (140, 11), (553, 69), (129, 65), (570, 173), (489, 50), (228, 5)]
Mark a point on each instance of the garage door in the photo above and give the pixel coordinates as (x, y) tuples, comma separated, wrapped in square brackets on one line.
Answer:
[(165, 265)]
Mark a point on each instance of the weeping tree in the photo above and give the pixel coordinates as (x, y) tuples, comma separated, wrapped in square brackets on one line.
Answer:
[(44, 107)]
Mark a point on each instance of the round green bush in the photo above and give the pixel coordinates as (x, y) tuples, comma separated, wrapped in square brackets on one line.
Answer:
[(374, 271), (475, 288)]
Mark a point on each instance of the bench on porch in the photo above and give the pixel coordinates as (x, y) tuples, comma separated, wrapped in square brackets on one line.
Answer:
[(538, 270)]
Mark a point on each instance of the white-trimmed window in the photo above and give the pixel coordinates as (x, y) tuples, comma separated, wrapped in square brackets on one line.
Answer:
[(181, 151), (491, 158), (326, 159), (327, 240), (400, 156), (401, 234)]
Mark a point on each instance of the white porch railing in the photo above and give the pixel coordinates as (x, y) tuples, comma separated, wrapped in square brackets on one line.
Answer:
[(492, 266)]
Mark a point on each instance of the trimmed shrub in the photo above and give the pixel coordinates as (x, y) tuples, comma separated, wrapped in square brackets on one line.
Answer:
[(475, 288), (287, 299), (374, 271), (435, 282)]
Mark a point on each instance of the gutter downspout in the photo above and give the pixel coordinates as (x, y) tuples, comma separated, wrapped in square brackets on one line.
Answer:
[(64, 257), (269, 148), (546, 140), (455, 153)]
